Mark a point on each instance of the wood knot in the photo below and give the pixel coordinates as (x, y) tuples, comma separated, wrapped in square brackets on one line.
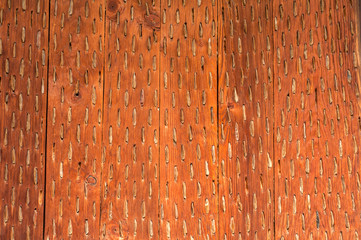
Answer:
[(91, 180), (113, 6), (152, 21), (230, 105)]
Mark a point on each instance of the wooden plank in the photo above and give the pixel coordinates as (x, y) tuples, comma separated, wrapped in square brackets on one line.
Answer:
[(317, 126), (131, 121), (180, 119), (23, 92), (245, 120), (73, 169), (188, 120)]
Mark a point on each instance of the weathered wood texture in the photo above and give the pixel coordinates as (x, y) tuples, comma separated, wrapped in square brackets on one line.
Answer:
[(74, 136), (317, 121), (23, 92), (188, 120), (131, 121), (245, 92), (180, 119)]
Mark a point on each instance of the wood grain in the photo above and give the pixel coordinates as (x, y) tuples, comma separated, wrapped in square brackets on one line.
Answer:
[(131, 121), (188, 120), (317, 125), (179, 119), (73, 169), (245, 93), (23, 93)]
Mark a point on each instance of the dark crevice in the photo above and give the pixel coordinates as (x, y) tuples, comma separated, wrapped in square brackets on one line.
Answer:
[(46, 120), (217, 38), (102, 134), (159, 112), (273, 123)]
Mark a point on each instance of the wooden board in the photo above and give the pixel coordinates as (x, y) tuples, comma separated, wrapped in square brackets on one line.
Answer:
[(161, 119), (23, 93), (74, 136), (131, 121), (188, 120), (245, 93), (317, 126)]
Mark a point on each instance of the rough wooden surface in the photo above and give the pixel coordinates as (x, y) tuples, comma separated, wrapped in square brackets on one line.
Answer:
[(23, 91), (179, 119), (188, 120), (131, 121), (245, 97), (317, 125), (74, 136)]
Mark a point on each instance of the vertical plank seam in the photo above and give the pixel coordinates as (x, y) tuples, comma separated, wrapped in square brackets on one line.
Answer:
[(102, 122), (273, 123), (217, 13), (159, 110), (358, 31), (46, 119)]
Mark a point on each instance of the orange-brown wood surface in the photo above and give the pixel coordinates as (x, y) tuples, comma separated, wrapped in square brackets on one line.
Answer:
[(23, 103), (180, 119), (74, 124), (245, 89), (130, 179), (317, 121), (188, 120)]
